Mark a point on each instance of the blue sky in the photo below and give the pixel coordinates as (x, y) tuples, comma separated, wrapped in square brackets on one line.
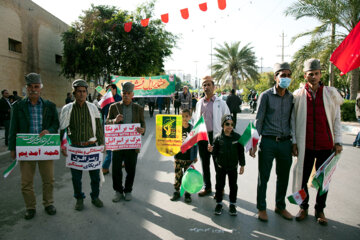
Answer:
[(258, 22)]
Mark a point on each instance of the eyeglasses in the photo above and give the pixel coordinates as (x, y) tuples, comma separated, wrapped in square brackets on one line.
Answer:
[(229, 124)]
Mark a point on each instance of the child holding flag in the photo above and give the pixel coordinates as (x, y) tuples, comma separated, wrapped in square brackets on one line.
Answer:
[(227, 152), (184, 160)]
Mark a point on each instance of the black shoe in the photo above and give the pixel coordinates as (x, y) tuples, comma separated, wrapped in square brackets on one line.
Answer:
[(29, 214), (79, 206), (232, 210), (51, 210), (175, 196), (187, 198), (218, 209)]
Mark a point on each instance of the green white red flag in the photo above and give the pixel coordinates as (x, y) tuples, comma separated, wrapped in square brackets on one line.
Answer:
[(106, 99), (250, 137), (10, 169), (298, 197), (198, 133)]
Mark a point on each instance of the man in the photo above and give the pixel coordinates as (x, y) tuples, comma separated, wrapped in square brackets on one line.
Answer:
[(35, 115), (233, 103), (185, 98), (124, 113), (212, 108), (105, 111), (5, 108), (151, 103), (317, 131), (273, 124), (356, 143), (82, 122), (68, 98)]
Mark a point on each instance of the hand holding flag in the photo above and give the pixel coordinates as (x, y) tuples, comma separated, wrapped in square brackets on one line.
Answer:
[(106, 99)]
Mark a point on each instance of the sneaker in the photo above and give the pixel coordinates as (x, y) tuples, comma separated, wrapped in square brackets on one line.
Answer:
[(232, 210), (51, 210), (97, 203), (79, 204), (128, 196), (29, 214), (118, 196), (187, 198), (218, 209), (175, 196)]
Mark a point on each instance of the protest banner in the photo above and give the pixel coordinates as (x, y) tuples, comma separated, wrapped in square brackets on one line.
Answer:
[(100, 90), (32, 147), (155, 86), (89, 158), (168, 134), (122, 136)]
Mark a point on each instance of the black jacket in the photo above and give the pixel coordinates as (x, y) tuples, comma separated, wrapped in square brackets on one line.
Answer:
[(233, 103), (4, 109), (228, 152)]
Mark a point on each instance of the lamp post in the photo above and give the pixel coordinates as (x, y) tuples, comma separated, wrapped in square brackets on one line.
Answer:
[(211, 56), (196, 78)]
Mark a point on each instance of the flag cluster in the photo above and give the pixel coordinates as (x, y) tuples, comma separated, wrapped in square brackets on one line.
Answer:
[(250, 137)]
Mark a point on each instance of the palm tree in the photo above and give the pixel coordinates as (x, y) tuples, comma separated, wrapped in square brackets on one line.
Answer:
[(337, 18), (234, 63)]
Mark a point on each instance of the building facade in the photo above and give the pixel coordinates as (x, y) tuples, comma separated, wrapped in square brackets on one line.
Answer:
[(30, 41)]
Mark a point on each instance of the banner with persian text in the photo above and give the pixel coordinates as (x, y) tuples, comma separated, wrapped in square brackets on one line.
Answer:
[(89, 158), (31, 147), (122, 136)]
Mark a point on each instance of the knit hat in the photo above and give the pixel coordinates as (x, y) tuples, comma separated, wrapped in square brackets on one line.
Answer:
[(32, 78), (225, 118)]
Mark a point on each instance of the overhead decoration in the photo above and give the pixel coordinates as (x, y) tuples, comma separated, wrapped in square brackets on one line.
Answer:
[(203, 6), (222, 4), (145, 22), (185, 13), (165, 17), (127, 26)]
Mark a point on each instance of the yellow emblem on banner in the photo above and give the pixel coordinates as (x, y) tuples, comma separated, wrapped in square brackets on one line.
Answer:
[(168, 134)]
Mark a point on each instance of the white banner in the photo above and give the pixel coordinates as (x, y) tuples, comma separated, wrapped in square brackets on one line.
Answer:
[(31, 153), (84, 158), (122, 136)]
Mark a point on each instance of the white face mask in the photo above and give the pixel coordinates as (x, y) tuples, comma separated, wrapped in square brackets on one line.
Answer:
[(284, 82)]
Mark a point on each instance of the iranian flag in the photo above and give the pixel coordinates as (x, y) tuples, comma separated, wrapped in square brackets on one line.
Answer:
[(106, 99), (298, 197), (10, 169), (198, 133), (64, 141), (250, 137)]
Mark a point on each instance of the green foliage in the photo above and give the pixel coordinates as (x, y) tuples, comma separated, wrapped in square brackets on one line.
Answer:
[(97, 45), (348, 110), (234, 63)]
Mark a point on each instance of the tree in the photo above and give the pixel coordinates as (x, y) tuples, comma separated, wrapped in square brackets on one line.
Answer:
[(97, 45), (234, 63), (337, 18)]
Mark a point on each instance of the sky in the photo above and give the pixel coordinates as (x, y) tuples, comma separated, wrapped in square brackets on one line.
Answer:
[(258, 22)]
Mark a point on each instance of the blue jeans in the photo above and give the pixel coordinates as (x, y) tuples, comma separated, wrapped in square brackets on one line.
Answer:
[(77, 184), (107, 161), (357, 139)]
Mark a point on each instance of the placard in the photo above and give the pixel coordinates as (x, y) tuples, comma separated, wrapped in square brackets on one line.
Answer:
[(31, 147), (89, 158), (122, 136)]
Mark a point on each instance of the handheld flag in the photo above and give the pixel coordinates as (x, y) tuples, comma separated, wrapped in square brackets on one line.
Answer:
[(298, 197), (346, 56), (106, 99), (250, 137), (65, 141), (198, 133), (10, 169)]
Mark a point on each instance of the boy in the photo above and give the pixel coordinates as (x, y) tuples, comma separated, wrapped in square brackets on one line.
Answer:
[(184, 160), (227, 152)]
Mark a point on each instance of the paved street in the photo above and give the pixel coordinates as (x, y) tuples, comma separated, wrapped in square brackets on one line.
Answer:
[(151, 215)]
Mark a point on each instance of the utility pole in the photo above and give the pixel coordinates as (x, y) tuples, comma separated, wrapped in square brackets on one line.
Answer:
[(261, 59), (211, 55), (283, 47), (196, 78)]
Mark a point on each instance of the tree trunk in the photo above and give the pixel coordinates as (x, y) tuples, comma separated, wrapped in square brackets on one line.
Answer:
[(233, 82), (331, 70), (354, 83)]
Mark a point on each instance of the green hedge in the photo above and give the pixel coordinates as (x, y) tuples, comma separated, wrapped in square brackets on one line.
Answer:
[(348, 110)]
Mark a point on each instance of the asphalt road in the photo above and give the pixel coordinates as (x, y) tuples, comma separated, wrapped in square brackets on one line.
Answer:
[(151, 215)]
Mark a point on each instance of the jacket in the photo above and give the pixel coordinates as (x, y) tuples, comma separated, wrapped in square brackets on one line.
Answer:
[(137, 115), (233, 103), (20, 119), (227, 151), (219, 109), (4, 109)]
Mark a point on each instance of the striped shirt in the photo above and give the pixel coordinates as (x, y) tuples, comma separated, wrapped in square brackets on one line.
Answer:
[(36, 116), (273, 113), (207, 112), (80, 127)]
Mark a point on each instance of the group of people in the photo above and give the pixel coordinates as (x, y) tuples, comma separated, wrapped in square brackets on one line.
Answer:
[(305, 124)]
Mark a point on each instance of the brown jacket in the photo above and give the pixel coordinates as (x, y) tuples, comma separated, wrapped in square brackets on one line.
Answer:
[(137, 115)]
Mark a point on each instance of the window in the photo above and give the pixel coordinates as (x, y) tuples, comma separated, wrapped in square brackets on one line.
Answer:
[(58, 59), (14, 45)]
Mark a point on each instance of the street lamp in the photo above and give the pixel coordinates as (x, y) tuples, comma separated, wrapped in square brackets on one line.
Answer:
[(196, 78), (211, 56)]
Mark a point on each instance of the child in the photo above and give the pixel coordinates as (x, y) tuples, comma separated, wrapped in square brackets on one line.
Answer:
[(184, 160), (227, 152)]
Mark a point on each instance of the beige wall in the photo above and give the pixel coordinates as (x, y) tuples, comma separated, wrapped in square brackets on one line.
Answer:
[(40, 35)]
